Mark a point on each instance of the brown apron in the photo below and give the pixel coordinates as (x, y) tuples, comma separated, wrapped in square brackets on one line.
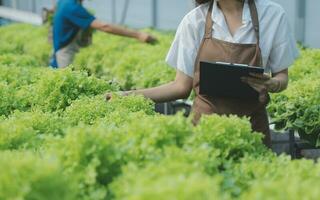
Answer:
[(215, 50)]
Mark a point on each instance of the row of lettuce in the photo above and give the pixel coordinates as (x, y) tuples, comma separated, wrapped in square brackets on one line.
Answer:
[(129, 63), (298, 108), (57, 133), (64, 137)]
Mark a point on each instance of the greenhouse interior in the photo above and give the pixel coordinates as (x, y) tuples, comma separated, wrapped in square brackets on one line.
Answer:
[(159, 100)]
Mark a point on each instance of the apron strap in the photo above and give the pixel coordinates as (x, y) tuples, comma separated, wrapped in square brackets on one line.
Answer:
[(209, 22), (255, 19)]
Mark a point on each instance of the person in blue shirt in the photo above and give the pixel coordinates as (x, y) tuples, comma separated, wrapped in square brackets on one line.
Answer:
[(70, 20)]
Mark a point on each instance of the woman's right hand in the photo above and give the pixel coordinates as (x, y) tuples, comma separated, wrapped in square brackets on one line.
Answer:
[(122, 93)]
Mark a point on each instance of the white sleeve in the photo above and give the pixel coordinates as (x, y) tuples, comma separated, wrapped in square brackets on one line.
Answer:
[(184, 48), (284, 48)]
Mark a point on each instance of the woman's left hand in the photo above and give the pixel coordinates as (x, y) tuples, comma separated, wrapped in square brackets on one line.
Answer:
[(263, 84)]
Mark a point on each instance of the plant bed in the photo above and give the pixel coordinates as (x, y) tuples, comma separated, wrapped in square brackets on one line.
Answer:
[(303, 149)]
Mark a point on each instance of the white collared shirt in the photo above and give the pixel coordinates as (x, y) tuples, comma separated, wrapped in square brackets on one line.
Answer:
[(277, 42)]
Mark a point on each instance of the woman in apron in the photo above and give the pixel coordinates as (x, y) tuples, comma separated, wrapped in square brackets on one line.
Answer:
[(253, 32)]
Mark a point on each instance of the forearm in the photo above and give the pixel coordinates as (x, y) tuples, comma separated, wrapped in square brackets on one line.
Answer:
[(180, 88), (121, 31), (164, 93)]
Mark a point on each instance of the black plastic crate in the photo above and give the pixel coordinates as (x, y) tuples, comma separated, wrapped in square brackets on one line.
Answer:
[(171, 108), (304, 150), (290, 143)]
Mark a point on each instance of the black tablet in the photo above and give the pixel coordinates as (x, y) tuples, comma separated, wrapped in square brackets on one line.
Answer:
[(220, 79)]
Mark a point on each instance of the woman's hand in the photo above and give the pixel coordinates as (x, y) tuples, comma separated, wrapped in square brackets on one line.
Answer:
[(122, 93), (263, 84)]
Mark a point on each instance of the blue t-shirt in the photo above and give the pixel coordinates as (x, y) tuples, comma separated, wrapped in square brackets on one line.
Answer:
[(69, 18)]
